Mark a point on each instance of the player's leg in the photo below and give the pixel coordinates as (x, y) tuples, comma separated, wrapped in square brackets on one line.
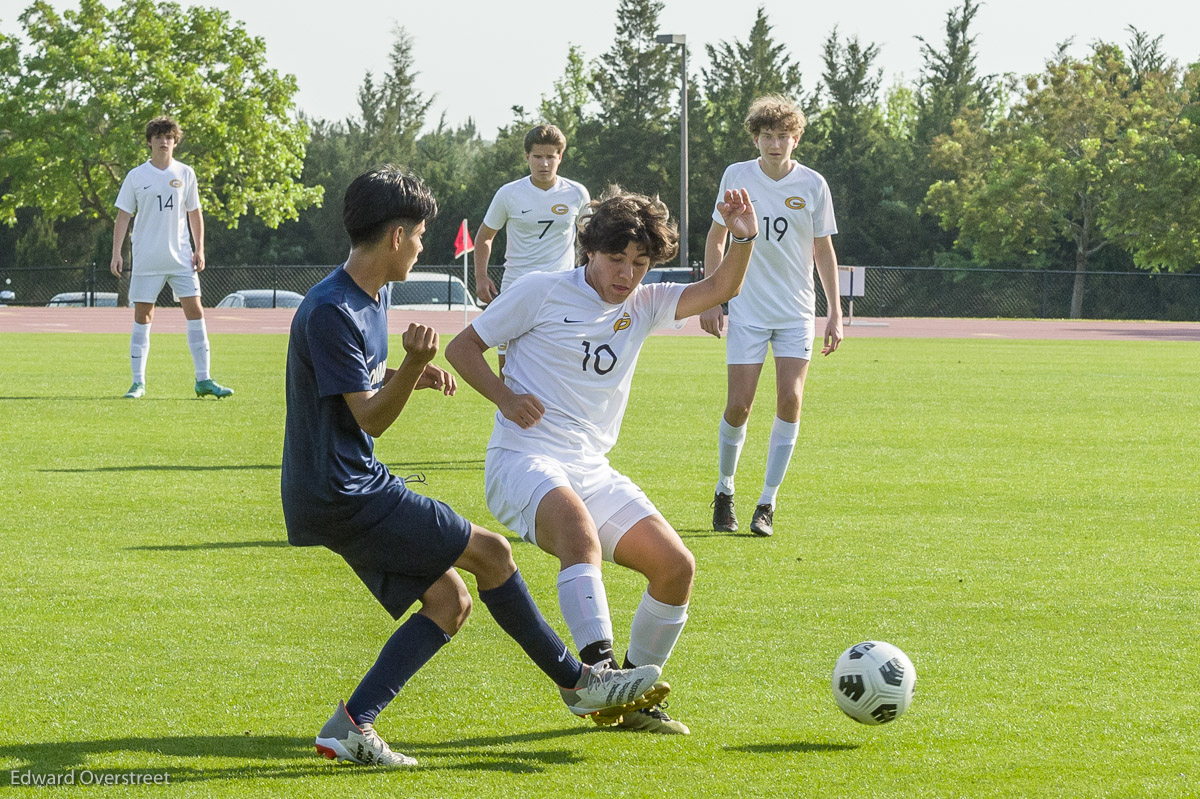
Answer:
[(790, 373), (745, 352), (350, 734), (143, 291), (651, 546), (503, 591), (187, 288), (565, 530)]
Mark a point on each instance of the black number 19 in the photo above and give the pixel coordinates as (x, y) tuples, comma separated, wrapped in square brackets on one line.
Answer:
[(780, 225)]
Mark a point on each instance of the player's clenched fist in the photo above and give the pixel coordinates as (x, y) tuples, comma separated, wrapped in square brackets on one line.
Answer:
[(420, 342), (524, 410)]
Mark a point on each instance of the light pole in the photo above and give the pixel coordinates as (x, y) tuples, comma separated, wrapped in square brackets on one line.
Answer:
[(681, 40)]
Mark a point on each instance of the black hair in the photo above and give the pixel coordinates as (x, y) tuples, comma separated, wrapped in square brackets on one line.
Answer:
[(383, 197)]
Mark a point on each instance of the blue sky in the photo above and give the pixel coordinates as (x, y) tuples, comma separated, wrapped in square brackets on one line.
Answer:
[(479, 61)]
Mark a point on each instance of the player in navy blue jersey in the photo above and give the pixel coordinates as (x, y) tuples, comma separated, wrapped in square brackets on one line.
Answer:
[(402, 545)]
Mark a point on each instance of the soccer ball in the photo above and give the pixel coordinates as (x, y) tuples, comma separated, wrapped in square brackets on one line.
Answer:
[(873, 682)]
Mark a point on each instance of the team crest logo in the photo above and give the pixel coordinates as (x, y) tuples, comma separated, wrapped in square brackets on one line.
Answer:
[(622, 323), (176, 183), (560, 209), (795, 203)]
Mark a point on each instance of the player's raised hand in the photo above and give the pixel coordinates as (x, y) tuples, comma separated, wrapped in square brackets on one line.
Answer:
[(438, 378), (738, 214), (420, 342), (524, 410)]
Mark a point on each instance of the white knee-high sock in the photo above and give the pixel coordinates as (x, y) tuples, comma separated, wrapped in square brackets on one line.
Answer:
[(656, 628), (584, 604), (139, 351), (779, 455), (729, 448), (197, 338)]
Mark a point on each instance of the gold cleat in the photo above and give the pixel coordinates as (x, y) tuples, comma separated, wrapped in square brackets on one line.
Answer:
[(610, 717)]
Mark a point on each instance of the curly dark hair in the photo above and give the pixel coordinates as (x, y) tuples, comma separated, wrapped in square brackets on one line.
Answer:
[(162, 126), (618, 217)]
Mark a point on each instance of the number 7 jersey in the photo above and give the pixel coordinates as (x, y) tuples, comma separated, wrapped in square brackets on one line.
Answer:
[(576, 353), (778, 290)]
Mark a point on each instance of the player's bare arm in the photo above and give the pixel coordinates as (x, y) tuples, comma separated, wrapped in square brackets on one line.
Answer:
[(485, 289), (465, 354), (120, 228), (434, 376), (376, 410), (196, 223), (826, 258), (726, 280), (712, 321)]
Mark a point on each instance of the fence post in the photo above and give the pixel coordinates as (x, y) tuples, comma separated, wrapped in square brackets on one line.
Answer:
[(1045, 290)]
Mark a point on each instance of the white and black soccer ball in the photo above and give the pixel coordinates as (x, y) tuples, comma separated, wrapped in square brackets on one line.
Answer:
[(873, 682)]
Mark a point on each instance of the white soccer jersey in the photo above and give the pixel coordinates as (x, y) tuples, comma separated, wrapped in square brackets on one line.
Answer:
[(540, 225), (778, 288), (160, 200), (574, 352)]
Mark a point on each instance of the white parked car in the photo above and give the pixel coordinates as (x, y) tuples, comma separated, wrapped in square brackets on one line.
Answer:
[(428, 291), (79, 299), (261, 298)]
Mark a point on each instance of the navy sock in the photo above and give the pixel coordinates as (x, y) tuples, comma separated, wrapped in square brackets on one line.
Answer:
[(409, 648), (514, 610)]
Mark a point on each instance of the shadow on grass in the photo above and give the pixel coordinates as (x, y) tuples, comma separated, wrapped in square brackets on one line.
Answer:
[(280, 756), (210, 545), (708, 532), (799, 746), (438, 466), (172, 468)]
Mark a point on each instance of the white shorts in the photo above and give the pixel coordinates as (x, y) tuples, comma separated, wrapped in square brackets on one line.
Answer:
[(516, 482), (746, 344), (146, 288)]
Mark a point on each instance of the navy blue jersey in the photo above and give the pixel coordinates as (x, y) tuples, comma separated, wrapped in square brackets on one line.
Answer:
[(332, 485)]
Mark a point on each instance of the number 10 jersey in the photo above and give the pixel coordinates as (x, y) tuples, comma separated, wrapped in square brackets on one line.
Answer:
[(576, 353)]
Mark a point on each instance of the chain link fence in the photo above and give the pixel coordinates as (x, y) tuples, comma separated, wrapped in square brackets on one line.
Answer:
[(889, 290)]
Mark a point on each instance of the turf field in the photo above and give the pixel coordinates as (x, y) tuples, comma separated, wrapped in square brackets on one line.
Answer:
[(1020, 517)]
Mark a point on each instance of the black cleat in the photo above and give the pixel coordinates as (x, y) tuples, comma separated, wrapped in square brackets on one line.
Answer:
[(763, 520), (724, 519)]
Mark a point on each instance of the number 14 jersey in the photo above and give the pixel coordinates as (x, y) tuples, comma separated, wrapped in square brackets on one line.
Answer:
[(574, 352), (791, 212)]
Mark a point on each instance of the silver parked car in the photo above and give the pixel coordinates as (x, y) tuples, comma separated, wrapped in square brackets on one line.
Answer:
[(79, 299), (428, 291), (261, 298)]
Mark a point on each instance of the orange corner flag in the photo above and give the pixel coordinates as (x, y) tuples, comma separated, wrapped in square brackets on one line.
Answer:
[(462, 242)]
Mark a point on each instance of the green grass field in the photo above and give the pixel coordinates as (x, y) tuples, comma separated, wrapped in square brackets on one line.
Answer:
[(1020, 517)]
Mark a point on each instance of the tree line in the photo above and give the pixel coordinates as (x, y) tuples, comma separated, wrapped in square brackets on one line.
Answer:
[(1093, 163)]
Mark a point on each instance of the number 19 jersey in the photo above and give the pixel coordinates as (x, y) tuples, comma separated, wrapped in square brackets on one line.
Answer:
[(779, 290), (574, 352)]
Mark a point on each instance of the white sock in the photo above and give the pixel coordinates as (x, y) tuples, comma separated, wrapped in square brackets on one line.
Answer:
[(584, 604), (656, 628), (729, 448), (139, 351), (779, 455), (197, 338)]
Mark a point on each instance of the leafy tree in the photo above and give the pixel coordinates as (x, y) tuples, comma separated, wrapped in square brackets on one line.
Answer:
[(739, 72), (76, 93), (847, 143), (949, 82), (392, 112), (628, 142), (1071, 162), (566, 105)]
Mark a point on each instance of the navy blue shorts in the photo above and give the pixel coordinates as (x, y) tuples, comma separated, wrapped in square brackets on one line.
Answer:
[(405, 545)]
